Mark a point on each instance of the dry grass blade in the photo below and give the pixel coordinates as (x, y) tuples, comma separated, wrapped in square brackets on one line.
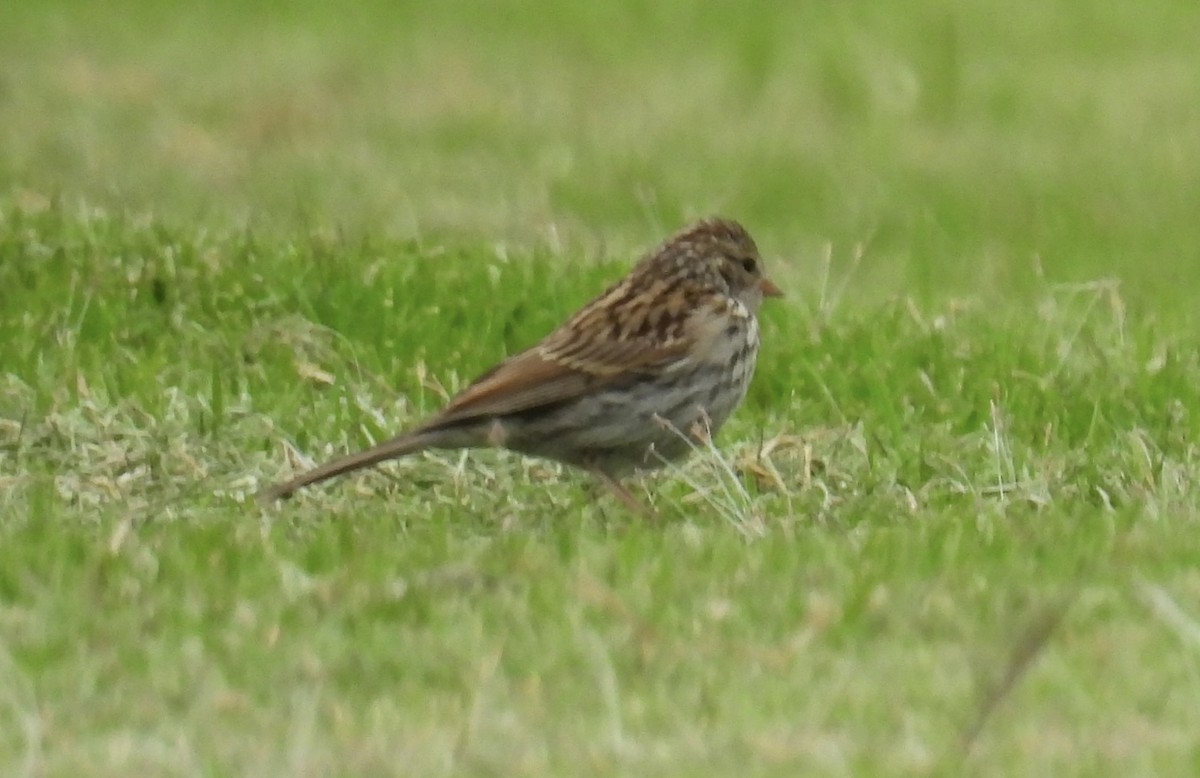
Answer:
[(1032, 641)]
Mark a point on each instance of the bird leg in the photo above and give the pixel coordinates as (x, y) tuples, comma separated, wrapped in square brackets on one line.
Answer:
[(624, 495)]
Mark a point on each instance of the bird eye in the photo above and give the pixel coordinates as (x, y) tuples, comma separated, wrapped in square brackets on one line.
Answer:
[(749, 265)]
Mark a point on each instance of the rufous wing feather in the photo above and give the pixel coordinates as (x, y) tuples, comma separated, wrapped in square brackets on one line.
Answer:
[(537, 377)]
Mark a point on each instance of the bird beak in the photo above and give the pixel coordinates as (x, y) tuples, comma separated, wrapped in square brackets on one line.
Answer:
[(769, 289)]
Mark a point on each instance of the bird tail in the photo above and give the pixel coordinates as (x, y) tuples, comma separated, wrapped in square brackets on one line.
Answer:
[(398, 446)]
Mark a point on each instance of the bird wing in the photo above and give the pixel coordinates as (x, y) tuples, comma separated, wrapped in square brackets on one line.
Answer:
[(570, 362)]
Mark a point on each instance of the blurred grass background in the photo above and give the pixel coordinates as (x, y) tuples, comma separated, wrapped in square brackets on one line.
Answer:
[(964, 148)]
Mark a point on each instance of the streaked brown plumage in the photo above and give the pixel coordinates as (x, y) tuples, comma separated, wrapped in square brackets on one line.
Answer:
[(622, 383)]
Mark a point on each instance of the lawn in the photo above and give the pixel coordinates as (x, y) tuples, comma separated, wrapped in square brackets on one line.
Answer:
[(953, 529)]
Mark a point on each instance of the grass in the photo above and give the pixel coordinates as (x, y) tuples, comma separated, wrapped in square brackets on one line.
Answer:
[(952, 530)]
